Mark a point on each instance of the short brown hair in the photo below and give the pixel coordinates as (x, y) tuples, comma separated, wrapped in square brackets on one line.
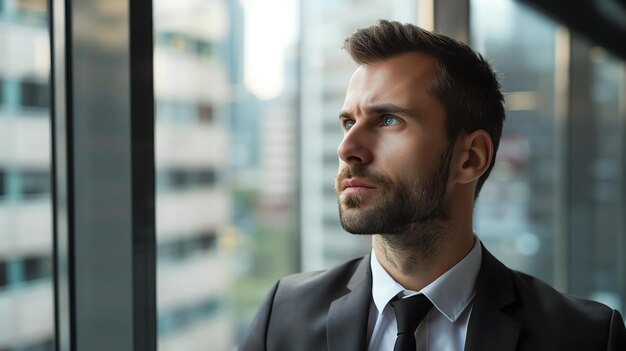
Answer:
[(466, 84)]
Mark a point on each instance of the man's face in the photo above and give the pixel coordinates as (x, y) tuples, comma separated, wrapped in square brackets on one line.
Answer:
[(394, 157)]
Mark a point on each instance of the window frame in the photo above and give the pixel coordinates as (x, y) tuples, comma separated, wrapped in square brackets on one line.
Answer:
[(103, 192)]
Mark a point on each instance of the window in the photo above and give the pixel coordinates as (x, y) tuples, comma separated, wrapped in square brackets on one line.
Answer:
[(2, 98), (246, 99), (205, 113), (596, 196), (2, 184), (225, 138), (186, 246), (553, 206), (207, 241), (516, 212), (35, 183), (34, 94), (35, 268), (3, 274), (180, 178)]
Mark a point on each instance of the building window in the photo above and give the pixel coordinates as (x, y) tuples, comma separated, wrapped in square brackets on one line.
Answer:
[(36, 268), (35, 183), (185, 316), (3, 190), (34, 94), (26, 318), (173, 250), (188, 246), (207, 241), (4, 280), (1, 81), (205, 113), (184, 178)]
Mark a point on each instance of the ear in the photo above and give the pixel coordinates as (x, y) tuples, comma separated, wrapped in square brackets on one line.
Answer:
[(474, 157)]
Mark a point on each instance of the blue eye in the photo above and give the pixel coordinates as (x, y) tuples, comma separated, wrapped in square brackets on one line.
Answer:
[(348, 124), (390, 121)]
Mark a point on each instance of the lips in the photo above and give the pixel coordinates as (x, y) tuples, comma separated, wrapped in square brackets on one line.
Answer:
[(356, 185)]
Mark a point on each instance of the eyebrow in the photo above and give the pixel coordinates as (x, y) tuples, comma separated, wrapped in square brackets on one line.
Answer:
[(382, 109)]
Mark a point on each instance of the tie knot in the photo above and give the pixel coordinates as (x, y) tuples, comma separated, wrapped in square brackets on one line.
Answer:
[(410, 312)]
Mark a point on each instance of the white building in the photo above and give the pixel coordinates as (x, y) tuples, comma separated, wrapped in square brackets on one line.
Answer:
[(193, 209), (26, 295)]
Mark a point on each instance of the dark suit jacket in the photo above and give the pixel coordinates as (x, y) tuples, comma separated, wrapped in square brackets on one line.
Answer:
[(511, 311)]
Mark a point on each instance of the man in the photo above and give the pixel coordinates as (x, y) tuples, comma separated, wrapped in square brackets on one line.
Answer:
[(422, 120)]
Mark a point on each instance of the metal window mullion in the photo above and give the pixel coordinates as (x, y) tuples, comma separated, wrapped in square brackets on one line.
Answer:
[(103, 175), (143, 174), (61, 206), (621, 239)]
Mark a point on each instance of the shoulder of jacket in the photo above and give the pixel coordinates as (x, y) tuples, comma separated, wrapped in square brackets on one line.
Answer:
[(561, 305), (306, 282)]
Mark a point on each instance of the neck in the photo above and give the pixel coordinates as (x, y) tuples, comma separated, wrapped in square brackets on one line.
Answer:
[(417, 256)]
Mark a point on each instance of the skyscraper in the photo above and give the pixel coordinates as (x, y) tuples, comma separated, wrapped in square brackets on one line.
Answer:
[(26, 297)]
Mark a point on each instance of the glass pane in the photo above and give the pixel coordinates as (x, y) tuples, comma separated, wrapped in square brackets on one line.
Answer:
[(26, 293), (227, 91), (515, 214), (598, 219), (226, 111)]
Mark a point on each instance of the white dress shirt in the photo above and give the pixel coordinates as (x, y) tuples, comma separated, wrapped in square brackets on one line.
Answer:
[(445, 326)]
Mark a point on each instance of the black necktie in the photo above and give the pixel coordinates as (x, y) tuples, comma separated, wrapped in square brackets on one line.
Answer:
[(409, 314)]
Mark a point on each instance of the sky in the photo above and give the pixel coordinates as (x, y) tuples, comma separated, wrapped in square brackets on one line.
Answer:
[(270, 28)]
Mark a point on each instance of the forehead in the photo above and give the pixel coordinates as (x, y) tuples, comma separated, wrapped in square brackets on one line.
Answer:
[(402, 79)]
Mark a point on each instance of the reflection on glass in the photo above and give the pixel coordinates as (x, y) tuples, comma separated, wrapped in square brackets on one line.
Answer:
[(26, 300), (515, 213), (226, 99), (599, 203)]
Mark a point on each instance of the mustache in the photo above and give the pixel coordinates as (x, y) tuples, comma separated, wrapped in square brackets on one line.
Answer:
[(362, 173)]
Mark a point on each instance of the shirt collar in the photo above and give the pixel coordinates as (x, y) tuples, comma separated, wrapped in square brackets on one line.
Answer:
[(450, 293)]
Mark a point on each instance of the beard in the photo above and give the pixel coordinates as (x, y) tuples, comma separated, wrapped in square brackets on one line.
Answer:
[(398, 208)]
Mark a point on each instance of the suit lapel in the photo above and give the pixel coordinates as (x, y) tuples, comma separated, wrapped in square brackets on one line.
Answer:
[(489, 327), (346, 326)]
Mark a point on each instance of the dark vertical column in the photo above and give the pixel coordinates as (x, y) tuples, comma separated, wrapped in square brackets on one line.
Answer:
[(143, 174), (621, 242), (103, 160)]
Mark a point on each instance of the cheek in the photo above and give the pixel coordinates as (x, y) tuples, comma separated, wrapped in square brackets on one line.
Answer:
[(410, 159), (410, 155)]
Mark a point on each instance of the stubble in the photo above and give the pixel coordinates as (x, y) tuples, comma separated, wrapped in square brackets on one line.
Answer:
[(411, 218)]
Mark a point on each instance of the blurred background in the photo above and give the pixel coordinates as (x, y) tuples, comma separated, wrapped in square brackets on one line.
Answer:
[(247, 96)]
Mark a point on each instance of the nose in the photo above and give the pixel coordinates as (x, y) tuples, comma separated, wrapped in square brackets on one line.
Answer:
[(355, 148)]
